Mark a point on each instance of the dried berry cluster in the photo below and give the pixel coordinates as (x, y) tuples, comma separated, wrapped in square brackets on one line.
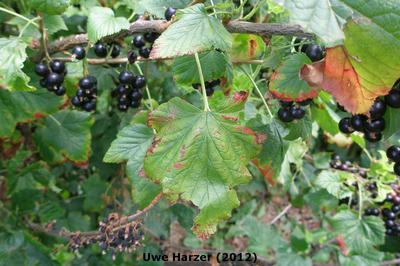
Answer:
[(115, 235)]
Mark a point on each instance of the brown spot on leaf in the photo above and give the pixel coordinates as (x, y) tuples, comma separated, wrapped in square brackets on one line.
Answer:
[(178, 165), (153, 145), (38, 115), (240, 96), (261, 138), (252, 48), (230, 117), (266, 171)]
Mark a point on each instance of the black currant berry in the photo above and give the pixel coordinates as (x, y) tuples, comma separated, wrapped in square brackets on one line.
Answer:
[(151, 36), (300, 47), (135, 104), (100, 50), (79, 52), (373, 136), (132, 57), (86, 83), (196, 86), (139, 82), (89, 106), (169, 13), (136, 95), (121, 90), (123, 100), (378, 109), (306, 102), (375, 212), (377, 125), (391, 216), (57, 66), (138, 41), (43, 83), (315, 52), (42, 70), (297, 112), (396, 168), (126, 77), (144, 52), (76, 101), (116, 51), (389, 223), (395, 208), (357, 122), (60, 91), (393, 99), (345, 126), (123, 108), (209, 92), (393, 153), (54, 79), (284, 115)]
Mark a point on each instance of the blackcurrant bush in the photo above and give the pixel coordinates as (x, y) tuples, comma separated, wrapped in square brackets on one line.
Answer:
[(132, 57), (315, 52), (139, 82), (169, 13), (144, 52), (345, 126), (373, 136), (151, 36), (116, 51), (42, 70), (297, 112), (393, 153), (136, 95), (284, 115), (126, 77), (357, 122), (378, 109), (377, 125), (209, 92), (393, 99), (135, 104), (54, 79), (57, 66), (86, 83), (138, 41), (396, 169), (79, 52), (60, 91), (100, 49), (76, 101)]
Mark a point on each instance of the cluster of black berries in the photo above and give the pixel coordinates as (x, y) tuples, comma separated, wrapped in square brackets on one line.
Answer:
[(371, 126), (291, 111), (115, 235), (393, 154), (53, 78), (86, 94), (314, 51), (389, 213), (139, 42), (347, 166), (128, 91), (374, 125), (102, 50), (210, 86)]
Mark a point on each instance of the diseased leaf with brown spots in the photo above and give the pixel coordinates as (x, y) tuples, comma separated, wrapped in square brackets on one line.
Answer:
[(200, 156)]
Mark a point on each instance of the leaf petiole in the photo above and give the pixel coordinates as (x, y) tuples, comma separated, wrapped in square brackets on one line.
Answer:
[(203, 86), (20, 16), (147, 87)]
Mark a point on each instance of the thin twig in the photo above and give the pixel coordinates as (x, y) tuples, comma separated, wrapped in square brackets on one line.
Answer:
[(279, 216)]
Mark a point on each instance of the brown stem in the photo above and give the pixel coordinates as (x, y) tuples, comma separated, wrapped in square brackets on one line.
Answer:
[(140, 26)]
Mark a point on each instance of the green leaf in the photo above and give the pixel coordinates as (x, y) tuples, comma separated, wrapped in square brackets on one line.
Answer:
[(131, 145), (200, 156), (293, 259), (158, 7), (102, 22), (326, 118), (286, 83), (360, 234), (213, 66), (330, 181), (318, 17), (392, 122), (94, 189), (12, 58), (51, 7), (195, 31), (300, 129), (21, 106), (69, 133), (54, 24)]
